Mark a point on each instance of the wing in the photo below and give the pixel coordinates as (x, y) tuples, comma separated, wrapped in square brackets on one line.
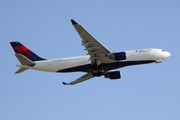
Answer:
[(95, 49), (81, 79)]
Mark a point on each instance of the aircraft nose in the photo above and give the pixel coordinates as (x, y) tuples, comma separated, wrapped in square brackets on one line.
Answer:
[(167, 54)]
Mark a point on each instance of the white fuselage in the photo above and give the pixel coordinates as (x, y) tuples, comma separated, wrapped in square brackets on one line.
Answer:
[(55, 65)]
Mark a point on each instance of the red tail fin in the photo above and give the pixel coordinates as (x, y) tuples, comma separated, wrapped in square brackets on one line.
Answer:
[(21, 49)]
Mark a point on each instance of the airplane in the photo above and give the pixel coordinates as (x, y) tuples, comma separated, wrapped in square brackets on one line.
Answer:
[(98, 62)]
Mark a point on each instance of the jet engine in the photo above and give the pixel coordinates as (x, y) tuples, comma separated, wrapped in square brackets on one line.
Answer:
[(113, 75), (118, 56)]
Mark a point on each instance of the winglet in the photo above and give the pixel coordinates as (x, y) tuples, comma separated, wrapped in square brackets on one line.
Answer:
[(64, 83), (74, 22)]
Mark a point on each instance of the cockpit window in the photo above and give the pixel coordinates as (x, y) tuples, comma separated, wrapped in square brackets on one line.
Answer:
[(163, 50)]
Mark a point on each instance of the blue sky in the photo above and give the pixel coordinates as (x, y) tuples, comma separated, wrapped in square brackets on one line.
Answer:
[(145, 92)]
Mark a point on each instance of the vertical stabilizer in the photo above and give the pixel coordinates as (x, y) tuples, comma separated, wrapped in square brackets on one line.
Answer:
[(21, 49)]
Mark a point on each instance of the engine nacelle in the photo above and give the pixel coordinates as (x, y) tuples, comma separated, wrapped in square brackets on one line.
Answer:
[(118, 56), (113, 75)]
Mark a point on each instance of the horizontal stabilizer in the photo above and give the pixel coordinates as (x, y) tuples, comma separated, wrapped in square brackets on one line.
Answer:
[(24, 60), (20, 70)]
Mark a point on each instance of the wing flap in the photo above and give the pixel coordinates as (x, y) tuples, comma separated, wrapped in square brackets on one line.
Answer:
[(81, 79)]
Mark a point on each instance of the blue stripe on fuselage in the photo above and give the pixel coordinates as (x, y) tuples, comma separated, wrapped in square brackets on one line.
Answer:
[(106, 66), (82, 68)]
